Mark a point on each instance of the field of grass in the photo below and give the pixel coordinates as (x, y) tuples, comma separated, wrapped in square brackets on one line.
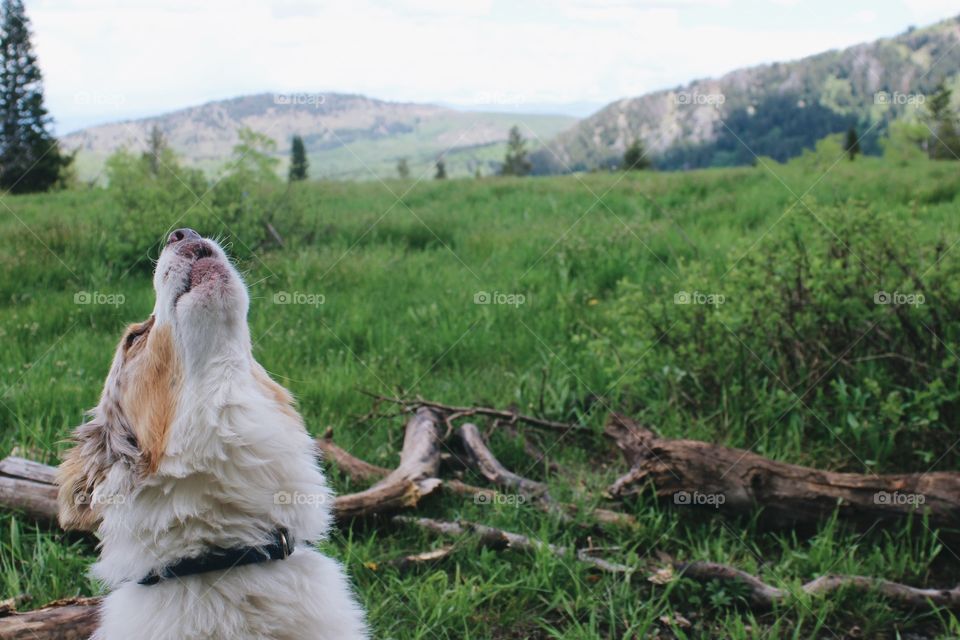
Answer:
[(596, 260)]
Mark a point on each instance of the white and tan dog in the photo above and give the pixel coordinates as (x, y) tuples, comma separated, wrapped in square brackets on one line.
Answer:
[(193, 459)]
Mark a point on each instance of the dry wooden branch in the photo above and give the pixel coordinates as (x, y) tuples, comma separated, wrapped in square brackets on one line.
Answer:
[(760, 594), (510, 417), (362, 471), (487, 464), (500, 539), (740, 481), (358, 470), (71, 619), (483, 460), (764, 596), (463, 489), (405, 485), (424, 557)]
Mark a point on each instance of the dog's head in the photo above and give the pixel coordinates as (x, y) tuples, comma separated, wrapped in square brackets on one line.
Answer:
[(198, 325)]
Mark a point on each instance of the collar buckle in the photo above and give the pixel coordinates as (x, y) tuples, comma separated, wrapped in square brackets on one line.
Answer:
[(284, 543)]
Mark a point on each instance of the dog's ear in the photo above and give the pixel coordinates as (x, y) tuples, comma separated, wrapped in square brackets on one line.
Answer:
[(97, 445), (152, 386)]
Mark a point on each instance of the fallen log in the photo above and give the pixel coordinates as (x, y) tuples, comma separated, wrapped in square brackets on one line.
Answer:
[(695, 473), (70, 619), (29, 487), (408, 483)]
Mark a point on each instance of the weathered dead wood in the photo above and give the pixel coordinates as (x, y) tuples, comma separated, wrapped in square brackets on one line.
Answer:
[(358, 470), (483, 460), (450, 412), (463, 489), (361, 471), (408, 483), (740, 481), (425, 557), (487, 464), (500, 539), (29, 487), (70, 619), (761, 595)]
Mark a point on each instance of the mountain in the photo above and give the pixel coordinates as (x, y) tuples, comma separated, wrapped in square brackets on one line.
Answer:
[(774, 110), (346, 136)]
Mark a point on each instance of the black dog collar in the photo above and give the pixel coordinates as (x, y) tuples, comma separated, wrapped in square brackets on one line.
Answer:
[(218, 559)]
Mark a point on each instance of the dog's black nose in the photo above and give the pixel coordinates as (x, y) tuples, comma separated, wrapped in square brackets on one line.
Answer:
[(182, 234)]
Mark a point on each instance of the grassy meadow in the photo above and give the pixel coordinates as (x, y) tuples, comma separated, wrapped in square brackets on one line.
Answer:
[(782, 348)]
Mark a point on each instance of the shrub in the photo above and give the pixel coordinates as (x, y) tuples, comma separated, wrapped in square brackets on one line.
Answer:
[(841, 336), (155, 192)]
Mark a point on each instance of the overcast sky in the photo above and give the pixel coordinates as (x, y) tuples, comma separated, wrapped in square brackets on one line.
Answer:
[(109, 59)]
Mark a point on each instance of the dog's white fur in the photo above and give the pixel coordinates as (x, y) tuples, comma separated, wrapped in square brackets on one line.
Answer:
[(193, 446)]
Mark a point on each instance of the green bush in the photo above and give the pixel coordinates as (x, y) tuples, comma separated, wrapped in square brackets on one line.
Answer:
[(829, 338), (155, 197), (159, 194)]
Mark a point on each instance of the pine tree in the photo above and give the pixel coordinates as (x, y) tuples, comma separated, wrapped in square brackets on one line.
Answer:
[(298, 160), (403, 168), (156, 146), (635, 158), (944, 143), (515, 163), (441, 173), (852, 145), (30, 156)]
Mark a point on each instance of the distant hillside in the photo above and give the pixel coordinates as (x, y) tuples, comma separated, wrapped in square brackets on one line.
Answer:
[(347, 136), (772, 110)]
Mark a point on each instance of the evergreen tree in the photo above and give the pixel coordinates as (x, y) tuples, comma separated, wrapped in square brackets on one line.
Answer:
[(156, 145), (635, 158), (298, 160), (852, 146), (441, 173), (403, 168), (944, 143), (30, 156), (515, 163)]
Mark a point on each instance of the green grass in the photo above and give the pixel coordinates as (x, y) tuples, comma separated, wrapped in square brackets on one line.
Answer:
[(399, 281)]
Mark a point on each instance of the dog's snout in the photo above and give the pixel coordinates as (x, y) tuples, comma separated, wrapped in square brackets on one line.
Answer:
[(182, 234)]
